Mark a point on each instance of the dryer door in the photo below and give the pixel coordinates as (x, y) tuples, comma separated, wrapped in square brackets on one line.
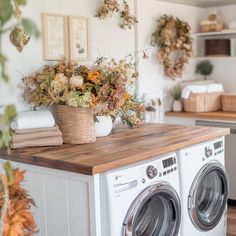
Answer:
[(156, 211), (208, 196)]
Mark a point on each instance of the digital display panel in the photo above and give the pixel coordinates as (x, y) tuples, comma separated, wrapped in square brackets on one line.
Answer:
[(218, 145), (168, 162)]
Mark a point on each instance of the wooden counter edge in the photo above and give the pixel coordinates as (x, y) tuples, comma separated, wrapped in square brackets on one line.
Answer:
[(218, 115), (58, 164)]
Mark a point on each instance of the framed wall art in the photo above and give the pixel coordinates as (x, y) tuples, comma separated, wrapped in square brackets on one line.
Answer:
[(55, 36), (79, 38)]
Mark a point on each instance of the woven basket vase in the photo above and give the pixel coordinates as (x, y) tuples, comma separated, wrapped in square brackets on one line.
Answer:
[(76, 124)]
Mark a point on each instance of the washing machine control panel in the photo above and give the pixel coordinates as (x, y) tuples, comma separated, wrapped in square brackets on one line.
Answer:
[(159, 168), (213, 150), (151, 172), (208, 151)]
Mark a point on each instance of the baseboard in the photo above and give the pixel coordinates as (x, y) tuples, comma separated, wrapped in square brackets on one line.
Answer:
[(231, 202)]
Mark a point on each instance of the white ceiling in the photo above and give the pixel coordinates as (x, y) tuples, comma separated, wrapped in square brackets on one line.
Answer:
[(203, 3)]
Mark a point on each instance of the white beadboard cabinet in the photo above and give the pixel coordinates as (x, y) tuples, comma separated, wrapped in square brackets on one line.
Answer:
[(68, 204)]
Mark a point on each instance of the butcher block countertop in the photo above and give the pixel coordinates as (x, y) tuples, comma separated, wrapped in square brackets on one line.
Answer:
[(216, 115), (125, 146)]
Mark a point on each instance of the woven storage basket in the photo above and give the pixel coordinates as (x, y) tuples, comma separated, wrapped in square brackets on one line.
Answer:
[(203, 102), (76, 124), (229, 102)]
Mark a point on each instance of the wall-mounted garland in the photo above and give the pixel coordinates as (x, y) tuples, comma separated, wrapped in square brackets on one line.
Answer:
[(111, 6), (173, 37)]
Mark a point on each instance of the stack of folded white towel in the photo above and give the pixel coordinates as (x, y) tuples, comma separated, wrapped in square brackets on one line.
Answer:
[(204, 88), (35, 129)]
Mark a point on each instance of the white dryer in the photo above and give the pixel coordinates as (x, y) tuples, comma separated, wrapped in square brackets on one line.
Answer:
[(204, 189), (142, 199)]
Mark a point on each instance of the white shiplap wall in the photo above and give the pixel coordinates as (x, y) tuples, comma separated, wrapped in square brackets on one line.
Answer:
[(106, 37)]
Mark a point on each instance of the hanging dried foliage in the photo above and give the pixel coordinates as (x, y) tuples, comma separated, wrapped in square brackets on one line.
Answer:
[(107, 9), (128, 19), (111, 6), (173, 37), (15, 204)]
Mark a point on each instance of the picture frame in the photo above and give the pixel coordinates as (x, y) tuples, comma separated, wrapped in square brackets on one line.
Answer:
[(79, 38), (55, 39)]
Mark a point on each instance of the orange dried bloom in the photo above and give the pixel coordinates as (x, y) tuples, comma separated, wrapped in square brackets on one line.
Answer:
[(126, 96), (93, 76), (93, 101)]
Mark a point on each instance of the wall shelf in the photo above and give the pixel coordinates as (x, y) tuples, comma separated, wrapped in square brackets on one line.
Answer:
[(226, 32), (200, 38), (213, 58)]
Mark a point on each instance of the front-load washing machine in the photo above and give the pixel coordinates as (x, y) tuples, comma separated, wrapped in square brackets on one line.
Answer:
[(203, 189), (142, 199)]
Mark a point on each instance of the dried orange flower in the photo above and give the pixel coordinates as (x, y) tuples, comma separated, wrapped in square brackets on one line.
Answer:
[(94, 76)]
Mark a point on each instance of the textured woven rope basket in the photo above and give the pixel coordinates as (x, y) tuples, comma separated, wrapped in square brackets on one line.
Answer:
[(76, 124), (229, 102), (203, 102)]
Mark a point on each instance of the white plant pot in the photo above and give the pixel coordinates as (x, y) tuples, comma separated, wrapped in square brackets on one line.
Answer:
[(103, 126), (177, 106)]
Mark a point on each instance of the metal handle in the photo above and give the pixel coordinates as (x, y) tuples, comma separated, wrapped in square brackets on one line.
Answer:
[(125, 186)]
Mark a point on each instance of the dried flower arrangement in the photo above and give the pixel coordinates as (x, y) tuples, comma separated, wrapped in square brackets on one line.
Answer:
[(132, 112), (173, 37), (111, 6), (103, 87), (15, 204), (65, 83)]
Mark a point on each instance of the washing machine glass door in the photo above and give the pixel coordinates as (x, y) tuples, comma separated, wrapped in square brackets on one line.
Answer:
[(155, 212), (208, 196)]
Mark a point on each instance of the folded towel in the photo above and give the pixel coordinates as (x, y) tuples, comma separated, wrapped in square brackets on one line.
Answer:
[(208, 88), (50, 141), (36, 135), (33, 119), (36, 130)]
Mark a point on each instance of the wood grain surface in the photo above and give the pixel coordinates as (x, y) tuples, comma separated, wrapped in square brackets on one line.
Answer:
[(231, 222), (217, 115), (125, 146)]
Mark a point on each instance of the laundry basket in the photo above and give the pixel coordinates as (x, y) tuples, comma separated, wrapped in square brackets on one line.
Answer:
[(203, 102)]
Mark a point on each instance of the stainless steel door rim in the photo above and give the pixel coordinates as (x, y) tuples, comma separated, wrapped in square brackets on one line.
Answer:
[(145, 217), (208, 196)]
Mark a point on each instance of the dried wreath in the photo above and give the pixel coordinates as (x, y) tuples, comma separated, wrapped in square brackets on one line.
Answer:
[(173, 38), (111, 6)]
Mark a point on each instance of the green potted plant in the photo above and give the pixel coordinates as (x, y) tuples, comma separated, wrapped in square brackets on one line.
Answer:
[(204, 68), (176, 94)]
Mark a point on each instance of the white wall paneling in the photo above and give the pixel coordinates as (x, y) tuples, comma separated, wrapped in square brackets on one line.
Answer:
[(68, 204)]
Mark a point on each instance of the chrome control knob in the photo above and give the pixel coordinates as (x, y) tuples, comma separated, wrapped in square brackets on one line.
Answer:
[(151, 172), (208, 152)]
